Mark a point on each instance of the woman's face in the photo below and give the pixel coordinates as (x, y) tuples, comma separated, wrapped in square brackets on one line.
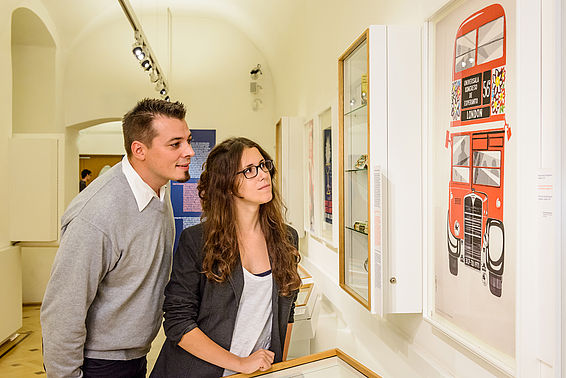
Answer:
[(256, 190)]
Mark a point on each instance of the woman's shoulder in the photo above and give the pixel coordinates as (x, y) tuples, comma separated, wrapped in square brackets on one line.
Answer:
[(192, 236), (293, 235), (195, 230)]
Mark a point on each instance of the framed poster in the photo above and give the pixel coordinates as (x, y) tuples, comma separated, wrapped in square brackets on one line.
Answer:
[(470, 177), (184, 195), (310, 178), (327, 168), (326, 209)]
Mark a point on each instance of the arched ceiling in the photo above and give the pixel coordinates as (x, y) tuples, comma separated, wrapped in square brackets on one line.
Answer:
[(28, 29), (262, 21)]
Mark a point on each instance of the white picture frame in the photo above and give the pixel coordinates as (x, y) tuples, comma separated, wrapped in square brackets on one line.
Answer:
[(499, 357)]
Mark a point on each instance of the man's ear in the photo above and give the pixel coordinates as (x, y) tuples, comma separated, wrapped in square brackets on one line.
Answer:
[(139, 150)]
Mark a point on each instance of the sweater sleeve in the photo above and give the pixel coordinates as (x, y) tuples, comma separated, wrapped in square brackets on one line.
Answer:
[(83, 258), (182, 294)]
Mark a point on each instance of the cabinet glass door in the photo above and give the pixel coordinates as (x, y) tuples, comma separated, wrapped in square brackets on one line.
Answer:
[(354, 162)]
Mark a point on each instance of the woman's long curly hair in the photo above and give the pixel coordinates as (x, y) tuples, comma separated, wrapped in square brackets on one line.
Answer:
[(217, 187)]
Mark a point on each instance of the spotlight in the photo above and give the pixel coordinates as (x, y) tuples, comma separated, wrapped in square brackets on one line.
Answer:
[(160, 87), (146, 64), (138, 52), (153, 76)]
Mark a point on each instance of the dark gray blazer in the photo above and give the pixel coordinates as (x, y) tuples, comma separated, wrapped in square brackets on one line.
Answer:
[(191, 300)]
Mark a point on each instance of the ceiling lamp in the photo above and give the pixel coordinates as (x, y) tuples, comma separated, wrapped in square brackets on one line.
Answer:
[(146, 64), (143, 53), (161, 88), (138, 52)]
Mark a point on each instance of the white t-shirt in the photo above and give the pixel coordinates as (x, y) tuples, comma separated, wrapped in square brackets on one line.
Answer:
[(252, 330)]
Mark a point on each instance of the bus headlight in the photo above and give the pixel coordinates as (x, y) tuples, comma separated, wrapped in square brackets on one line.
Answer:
[(456, 228), (498, 203)]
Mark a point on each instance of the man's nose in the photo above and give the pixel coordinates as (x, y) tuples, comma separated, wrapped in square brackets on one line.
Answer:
[(189, 150)]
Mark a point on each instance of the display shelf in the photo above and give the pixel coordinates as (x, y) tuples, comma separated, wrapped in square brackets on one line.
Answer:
[(357, 110), (353, 229), (356, 170)]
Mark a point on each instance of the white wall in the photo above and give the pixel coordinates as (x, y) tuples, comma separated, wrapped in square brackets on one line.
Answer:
[(47, 85), (211, 62), (400, 344), (36, 269), (11, 293), (103, 139), (34, 89), (211, 65)]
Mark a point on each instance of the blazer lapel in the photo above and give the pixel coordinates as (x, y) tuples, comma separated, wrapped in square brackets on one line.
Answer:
[(236, 279), (275, 329)]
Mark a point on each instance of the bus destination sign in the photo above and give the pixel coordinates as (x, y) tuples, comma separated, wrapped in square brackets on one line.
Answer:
[(476, 91)]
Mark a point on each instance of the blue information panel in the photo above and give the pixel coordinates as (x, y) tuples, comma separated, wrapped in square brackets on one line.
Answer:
[(184, 196)]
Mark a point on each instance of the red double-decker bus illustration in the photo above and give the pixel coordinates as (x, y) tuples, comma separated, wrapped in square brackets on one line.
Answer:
[(477, 137)]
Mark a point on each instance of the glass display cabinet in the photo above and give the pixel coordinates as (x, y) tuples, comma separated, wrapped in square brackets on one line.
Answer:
[(354, 173), (380, 171)]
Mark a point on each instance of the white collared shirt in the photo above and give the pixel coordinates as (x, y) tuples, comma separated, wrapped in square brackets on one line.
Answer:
[(142, 191)]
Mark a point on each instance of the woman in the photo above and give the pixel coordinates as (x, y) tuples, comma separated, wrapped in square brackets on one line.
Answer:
[(230, 300)]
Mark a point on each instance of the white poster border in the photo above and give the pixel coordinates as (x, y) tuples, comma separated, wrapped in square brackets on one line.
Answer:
[(497, 359)]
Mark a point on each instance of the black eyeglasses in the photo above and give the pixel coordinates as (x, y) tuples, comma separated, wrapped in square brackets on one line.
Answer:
[(251, 172)]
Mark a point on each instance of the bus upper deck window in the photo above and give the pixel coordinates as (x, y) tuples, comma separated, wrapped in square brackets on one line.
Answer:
[(490, 41), (465, 51)]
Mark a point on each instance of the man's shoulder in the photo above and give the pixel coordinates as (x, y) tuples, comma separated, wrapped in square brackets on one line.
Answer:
[(108, 194)]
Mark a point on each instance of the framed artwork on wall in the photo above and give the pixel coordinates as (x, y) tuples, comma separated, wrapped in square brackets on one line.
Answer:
[(310, 199), (470, 176), (327, 177)]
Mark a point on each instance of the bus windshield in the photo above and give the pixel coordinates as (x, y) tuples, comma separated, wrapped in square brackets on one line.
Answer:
[(461, 158), (487, 166)]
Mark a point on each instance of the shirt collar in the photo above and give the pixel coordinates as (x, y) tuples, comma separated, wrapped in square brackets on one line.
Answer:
[(142, 191)]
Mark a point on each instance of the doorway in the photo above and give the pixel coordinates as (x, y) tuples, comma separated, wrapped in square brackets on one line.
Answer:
[(95, 163)]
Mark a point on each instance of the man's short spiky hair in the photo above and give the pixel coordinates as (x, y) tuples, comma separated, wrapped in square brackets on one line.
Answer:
[(137, 123)]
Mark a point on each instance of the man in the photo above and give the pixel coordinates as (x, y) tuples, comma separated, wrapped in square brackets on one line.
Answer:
[(85, 179), (102, 306)]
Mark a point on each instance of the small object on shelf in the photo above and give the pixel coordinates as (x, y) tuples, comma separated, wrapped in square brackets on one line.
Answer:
[(361, 226), (361, 163), (364, 89)]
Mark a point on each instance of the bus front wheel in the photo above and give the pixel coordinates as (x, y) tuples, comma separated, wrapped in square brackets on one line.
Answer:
[(453, 249)]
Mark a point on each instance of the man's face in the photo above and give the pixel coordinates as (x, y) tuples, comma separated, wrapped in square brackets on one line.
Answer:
[(88, 178), (170, 153)]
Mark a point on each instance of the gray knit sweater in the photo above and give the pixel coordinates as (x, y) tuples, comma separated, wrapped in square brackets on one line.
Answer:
[(105, 294)]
